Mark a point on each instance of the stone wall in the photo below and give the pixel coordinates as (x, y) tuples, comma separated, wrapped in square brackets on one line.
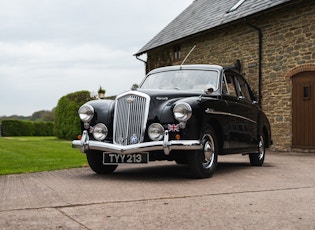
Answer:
[(288, 45)]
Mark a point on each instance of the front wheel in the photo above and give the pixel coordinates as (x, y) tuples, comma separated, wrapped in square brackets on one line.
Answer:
[(95, 160), (204, 162), (257, 159)]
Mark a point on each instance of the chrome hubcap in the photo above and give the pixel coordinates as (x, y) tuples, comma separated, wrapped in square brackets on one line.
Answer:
[(261, 148), (208, 151)]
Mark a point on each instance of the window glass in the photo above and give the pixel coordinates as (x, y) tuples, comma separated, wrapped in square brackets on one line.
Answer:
[(243, 87), (230, 86), (185, 79), (224, 86), (307, 92), (177, 52)]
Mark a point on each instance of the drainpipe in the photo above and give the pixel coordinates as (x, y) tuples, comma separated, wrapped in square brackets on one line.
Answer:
[(145, 63), (260, 35), (137, 56)]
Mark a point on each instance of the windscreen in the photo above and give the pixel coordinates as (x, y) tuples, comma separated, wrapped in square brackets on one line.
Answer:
[(184, 79)]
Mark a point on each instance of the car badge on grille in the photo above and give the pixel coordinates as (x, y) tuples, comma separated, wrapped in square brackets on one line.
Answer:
[(120, 140), (133, 139), (130, 100)]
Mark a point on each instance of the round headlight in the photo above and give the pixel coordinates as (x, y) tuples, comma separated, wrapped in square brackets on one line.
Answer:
[(86, 113), (156, 132), (100, 131), (182, 112)]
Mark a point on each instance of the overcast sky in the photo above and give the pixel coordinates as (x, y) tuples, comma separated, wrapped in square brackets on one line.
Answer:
[(50, 48)]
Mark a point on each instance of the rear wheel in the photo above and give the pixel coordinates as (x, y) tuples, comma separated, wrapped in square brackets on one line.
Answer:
[(257, 159), (95, 160), (204, 162)]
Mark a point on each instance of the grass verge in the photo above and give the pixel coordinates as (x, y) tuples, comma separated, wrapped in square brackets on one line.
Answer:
[(35, 154)]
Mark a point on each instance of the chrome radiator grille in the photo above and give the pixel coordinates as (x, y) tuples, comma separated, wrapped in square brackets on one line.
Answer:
[(130, 118)]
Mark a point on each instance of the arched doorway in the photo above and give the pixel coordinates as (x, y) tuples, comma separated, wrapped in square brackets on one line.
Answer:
[(303, 110)]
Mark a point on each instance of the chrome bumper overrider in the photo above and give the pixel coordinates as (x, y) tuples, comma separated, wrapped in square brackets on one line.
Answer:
[(166, 145)]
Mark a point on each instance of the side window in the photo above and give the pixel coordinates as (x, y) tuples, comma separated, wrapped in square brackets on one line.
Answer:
[(243, 88), (229, 86), (224, 86)]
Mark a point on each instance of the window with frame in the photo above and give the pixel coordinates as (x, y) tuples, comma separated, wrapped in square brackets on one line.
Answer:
[(177, 54), (307, 92)]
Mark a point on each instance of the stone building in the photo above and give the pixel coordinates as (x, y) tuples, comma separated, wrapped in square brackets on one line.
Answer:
[(275, 43)]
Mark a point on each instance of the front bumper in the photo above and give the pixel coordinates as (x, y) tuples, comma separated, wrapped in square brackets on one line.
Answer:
[(166, 145)]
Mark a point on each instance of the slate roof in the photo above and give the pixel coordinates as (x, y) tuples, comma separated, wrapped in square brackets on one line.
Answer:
[(203, 15)]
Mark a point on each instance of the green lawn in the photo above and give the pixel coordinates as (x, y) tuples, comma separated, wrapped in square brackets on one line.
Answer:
[(35, 154)]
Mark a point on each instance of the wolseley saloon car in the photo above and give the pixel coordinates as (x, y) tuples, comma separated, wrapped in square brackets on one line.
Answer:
[(188, 113)]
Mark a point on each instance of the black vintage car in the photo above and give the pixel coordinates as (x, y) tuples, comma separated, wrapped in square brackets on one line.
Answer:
[(188, 113)]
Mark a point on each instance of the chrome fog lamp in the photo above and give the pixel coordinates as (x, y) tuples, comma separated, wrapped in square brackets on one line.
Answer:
[(86, 125), (182, 112), (156, 132), (100, 131), (86, 113)]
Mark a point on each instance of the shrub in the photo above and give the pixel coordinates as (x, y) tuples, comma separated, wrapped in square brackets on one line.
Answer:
[(67, 122), (26, 128), (43, 128)]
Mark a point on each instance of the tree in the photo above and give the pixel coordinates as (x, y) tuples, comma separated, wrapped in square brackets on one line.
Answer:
[(43, 115)]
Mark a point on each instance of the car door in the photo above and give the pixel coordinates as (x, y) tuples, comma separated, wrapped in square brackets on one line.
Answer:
[(250, 110), (243, 113)]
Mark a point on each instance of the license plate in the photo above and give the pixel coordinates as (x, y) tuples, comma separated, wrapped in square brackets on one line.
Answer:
[(136, 158)]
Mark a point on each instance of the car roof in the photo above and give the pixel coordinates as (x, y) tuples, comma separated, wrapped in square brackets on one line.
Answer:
[(188, 67)]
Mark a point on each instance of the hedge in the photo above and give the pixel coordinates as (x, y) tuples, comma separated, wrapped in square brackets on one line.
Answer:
[(26, 128)]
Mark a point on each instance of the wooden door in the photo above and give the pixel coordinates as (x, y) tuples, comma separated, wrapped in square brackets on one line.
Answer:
[(303, 107)]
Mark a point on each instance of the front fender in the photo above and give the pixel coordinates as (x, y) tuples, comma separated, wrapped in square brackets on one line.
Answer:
[(103, 111)]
